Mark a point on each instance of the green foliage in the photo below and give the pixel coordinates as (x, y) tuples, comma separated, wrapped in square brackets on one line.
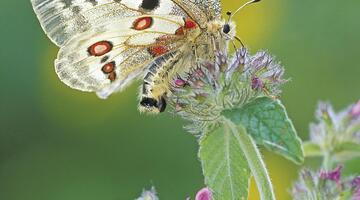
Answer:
[(225, 103), (224, 164), (267, 122), (312, 149)]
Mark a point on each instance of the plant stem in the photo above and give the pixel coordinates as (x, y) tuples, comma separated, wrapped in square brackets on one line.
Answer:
[(254, 159), (327, 162)]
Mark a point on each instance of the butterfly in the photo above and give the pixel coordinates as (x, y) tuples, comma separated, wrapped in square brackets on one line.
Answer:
[(107, 44)]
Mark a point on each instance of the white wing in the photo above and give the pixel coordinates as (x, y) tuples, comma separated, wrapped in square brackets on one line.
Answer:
[(63, 19), (107, 58), (212, 8), (100, 49)]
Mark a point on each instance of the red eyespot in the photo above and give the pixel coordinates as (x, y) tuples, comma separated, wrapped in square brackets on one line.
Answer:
[(100, 48), (112, 76), (158, 50), (108, 68), (190, 24), (179, 31), (142, 23)]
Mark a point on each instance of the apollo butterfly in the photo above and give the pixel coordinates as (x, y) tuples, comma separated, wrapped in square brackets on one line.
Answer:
[(107, 44)]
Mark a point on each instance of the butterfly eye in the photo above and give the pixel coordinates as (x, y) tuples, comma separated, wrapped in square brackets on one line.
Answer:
[(226, 28)]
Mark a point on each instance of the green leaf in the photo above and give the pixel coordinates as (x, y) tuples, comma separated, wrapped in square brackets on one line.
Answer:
[(348, 146), (267, 122), (312, 150), (224, 165), (347, 151)]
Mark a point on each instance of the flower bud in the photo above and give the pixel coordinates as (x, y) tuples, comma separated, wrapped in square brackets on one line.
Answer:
[(332, 175), (148, 195), (180, 82), (204, 194), (355, 111), (257, 83)]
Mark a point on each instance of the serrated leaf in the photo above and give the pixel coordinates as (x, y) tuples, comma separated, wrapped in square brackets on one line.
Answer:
[(267, 122), (224, 165)]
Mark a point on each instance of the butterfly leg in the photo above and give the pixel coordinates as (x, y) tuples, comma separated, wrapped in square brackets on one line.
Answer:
[(197, 58)]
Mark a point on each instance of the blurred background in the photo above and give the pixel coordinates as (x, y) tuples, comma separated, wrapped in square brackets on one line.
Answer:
[(57, 143)]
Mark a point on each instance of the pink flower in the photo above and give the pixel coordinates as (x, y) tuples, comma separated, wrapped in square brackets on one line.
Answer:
[(257, 83), (204, 194), (356, 182), (355, 111), (332, 175), (356, 185), (179, 82)]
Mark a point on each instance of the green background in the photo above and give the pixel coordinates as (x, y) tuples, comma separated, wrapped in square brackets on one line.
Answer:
[(60, 144)]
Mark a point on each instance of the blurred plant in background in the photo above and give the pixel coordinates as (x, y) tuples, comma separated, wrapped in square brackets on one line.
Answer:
[(334, 138), (148, 195), (203, 194)]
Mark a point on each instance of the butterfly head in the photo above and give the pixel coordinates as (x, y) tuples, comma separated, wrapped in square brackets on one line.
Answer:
[(225, 28), (228, 30)]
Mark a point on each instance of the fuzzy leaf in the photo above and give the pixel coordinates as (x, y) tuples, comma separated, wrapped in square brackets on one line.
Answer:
[(224, 165), (267, 122)]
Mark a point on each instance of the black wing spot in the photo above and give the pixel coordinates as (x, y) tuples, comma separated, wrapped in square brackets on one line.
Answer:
[(104, 59), (150, 4)]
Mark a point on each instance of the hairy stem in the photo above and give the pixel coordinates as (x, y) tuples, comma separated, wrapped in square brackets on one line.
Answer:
[(254, 159)]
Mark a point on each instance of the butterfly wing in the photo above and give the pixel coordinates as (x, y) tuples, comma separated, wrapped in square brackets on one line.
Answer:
[(106, 59), (211, 7), (101, 51), (63, 19)]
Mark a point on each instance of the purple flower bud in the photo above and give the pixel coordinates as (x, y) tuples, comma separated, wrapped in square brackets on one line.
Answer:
[(257, 83), (221, 58), (179, 82), (260, 61), (355, 111), (204, 194), (356, 182), (356, 195), (332, 175), (199, 73)]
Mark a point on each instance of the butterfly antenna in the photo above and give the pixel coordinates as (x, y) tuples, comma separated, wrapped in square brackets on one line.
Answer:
[(230, 14), (239, 40)]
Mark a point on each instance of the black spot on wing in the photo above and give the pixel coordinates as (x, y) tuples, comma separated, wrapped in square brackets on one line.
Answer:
[(69, 3), (76, 9), (93, 2), (150, 4)]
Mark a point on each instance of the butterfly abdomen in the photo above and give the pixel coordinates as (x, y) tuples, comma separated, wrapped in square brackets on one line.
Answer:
[(156, 83)]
